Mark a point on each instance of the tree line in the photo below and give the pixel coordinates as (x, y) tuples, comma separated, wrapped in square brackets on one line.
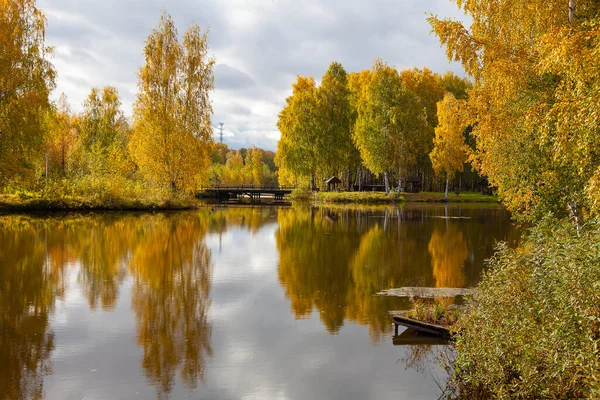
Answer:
[(255, 167), (372, 125), (167, 145)]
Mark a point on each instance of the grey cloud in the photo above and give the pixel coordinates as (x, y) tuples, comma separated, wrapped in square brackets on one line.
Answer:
[(259, 46), (228, 77)]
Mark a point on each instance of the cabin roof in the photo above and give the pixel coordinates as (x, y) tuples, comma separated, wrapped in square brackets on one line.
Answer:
[(333, 179)]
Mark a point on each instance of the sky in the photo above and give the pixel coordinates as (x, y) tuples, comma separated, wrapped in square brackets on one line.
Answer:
[(259, 47)]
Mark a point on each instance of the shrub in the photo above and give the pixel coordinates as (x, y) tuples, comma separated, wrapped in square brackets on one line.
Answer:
[(434, 312), (532, 328), (301, 194)]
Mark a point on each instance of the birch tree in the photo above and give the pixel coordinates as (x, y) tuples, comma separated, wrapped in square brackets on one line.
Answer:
[(298, 123), (534, 101), (389, 123), (449, 151), (26, 80), (172, 134)]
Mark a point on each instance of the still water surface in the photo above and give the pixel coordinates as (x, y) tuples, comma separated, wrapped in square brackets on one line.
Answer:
[(228, 303)]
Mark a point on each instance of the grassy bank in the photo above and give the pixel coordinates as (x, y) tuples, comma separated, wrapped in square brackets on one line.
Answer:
[(465, 197), (356, 197), (391, 198), (105, 201)]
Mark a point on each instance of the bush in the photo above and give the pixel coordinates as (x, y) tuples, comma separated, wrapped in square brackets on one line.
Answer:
[(532, 328), (359, 197), (110, 192), (301, 194), (433, 312)]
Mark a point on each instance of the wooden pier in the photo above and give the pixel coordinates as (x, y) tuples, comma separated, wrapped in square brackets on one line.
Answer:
[(254, 193), (401, 318)]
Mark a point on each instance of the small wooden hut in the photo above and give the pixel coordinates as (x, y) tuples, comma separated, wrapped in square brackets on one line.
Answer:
[(332, 182)]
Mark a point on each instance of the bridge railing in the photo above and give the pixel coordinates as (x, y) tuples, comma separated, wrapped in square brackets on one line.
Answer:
[(247, 187)]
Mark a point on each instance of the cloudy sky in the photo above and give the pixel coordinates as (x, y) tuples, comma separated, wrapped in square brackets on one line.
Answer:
[(259, 46)]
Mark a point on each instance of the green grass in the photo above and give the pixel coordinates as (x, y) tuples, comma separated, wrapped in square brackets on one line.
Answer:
[(382, 198), (357, 197), (464, 197), (49, 202), (433, 312)]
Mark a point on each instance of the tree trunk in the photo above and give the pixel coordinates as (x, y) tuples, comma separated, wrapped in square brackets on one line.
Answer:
[(63, 160), (313, 184), (387, 182), (349, 179), (399, 178), (447, 182), (359, 178), (573, 209), (571, 11)]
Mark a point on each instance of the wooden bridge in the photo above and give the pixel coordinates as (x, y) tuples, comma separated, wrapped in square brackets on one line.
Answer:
[(253, 192)]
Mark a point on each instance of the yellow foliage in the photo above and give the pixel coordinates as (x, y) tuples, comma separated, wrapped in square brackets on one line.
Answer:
[(535, 99), (450, 151), (172, 135), (26, 79)]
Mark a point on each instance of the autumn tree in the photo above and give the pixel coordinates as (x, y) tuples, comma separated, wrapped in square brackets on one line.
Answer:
[(455, 84), (389, 123), (255, 165), (450, 151), (426, 86), (172, 133), (233, 172), (104, 134), (61, 134), (534, 100), (298, 124), (26, 79), (335, 151)]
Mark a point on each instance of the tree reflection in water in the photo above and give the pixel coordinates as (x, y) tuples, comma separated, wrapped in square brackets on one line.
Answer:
[(167, 258), (31, 278), (331, 261), (172, 272)]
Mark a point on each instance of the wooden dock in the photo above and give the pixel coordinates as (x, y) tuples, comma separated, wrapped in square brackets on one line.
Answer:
[(437, 331), (425, 292), (414, 337)]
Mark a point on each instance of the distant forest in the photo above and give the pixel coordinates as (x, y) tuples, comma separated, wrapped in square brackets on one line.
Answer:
[(377, 126)]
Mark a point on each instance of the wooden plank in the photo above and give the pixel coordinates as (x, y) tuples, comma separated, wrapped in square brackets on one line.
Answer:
[(425, 292), (413, 337), (436, 330)]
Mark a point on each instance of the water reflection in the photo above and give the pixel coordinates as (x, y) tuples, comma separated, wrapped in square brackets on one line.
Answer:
[(156, 270), (172, 272), (171, 268), (335, 260), (448, 250), (31, 278)]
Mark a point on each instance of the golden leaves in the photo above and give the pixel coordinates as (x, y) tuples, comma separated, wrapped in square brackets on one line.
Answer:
[(172, 135), (535, 98), (450, 151)]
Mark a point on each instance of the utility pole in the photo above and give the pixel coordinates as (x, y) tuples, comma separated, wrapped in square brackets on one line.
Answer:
[(221, 133)]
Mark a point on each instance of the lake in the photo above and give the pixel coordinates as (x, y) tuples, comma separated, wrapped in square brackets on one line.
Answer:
[(229, 303)]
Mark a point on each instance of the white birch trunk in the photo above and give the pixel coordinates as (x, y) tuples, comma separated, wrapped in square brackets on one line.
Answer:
[(571, 11), (446, 192), (387, 182)]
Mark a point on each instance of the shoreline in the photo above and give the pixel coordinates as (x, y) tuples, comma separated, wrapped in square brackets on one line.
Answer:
[(325, 198), (16, 203)]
